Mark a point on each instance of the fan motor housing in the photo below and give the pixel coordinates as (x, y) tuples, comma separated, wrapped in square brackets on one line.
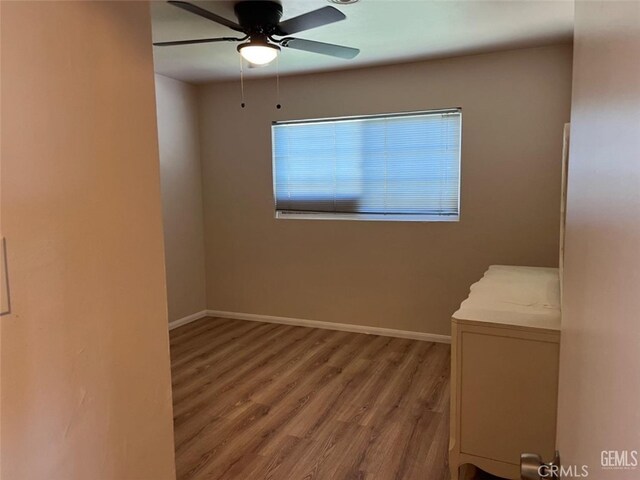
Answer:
[(258, 16)]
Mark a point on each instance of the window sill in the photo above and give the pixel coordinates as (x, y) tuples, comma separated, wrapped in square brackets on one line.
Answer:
[(368, 217)]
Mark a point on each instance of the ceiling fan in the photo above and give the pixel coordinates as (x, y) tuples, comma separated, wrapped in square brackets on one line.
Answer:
[(259, 21)]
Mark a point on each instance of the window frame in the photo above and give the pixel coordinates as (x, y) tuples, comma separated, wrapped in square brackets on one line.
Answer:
[(375, 217)]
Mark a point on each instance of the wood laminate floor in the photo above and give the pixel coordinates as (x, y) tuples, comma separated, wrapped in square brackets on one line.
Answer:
[(264, 401)]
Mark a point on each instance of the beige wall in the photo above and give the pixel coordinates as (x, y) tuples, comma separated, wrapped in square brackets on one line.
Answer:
[(406, 276), (86, 390), (181, 179), (599, 354)]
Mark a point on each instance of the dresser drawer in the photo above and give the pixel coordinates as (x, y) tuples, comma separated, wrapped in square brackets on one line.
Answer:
[(508, 396)]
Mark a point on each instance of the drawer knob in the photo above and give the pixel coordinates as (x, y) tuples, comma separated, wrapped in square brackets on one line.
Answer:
[(533, 468)]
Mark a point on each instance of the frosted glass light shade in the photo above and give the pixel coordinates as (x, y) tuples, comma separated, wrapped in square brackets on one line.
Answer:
[(258, 54)]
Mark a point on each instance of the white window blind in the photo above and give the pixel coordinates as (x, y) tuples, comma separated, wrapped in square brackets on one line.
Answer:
[(396, 167)]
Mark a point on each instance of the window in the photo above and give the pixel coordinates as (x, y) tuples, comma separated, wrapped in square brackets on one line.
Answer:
[(403, 166)]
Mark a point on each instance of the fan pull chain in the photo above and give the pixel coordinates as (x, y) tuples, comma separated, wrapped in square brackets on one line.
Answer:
[(278, 106), (241, 82)]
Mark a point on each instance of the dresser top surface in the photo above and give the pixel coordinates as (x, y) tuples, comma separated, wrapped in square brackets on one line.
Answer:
[(525, 297)]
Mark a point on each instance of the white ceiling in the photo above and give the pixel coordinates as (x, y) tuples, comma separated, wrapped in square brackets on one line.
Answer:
[(386, 31)]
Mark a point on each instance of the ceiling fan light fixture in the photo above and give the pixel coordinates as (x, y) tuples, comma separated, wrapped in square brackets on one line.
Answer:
[(258, 51), (259, 21)]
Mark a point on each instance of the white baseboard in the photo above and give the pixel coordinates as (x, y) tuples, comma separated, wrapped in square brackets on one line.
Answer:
[(345, 327), (188, 319)]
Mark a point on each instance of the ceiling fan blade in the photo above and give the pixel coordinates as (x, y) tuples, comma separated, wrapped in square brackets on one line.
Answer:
[(320, 47), (199, 40), (307, 21), (189, 7)]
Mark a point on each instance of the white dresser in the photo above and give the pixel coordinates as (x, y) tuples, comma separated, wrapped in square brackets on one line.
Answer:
[(504, 376)]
